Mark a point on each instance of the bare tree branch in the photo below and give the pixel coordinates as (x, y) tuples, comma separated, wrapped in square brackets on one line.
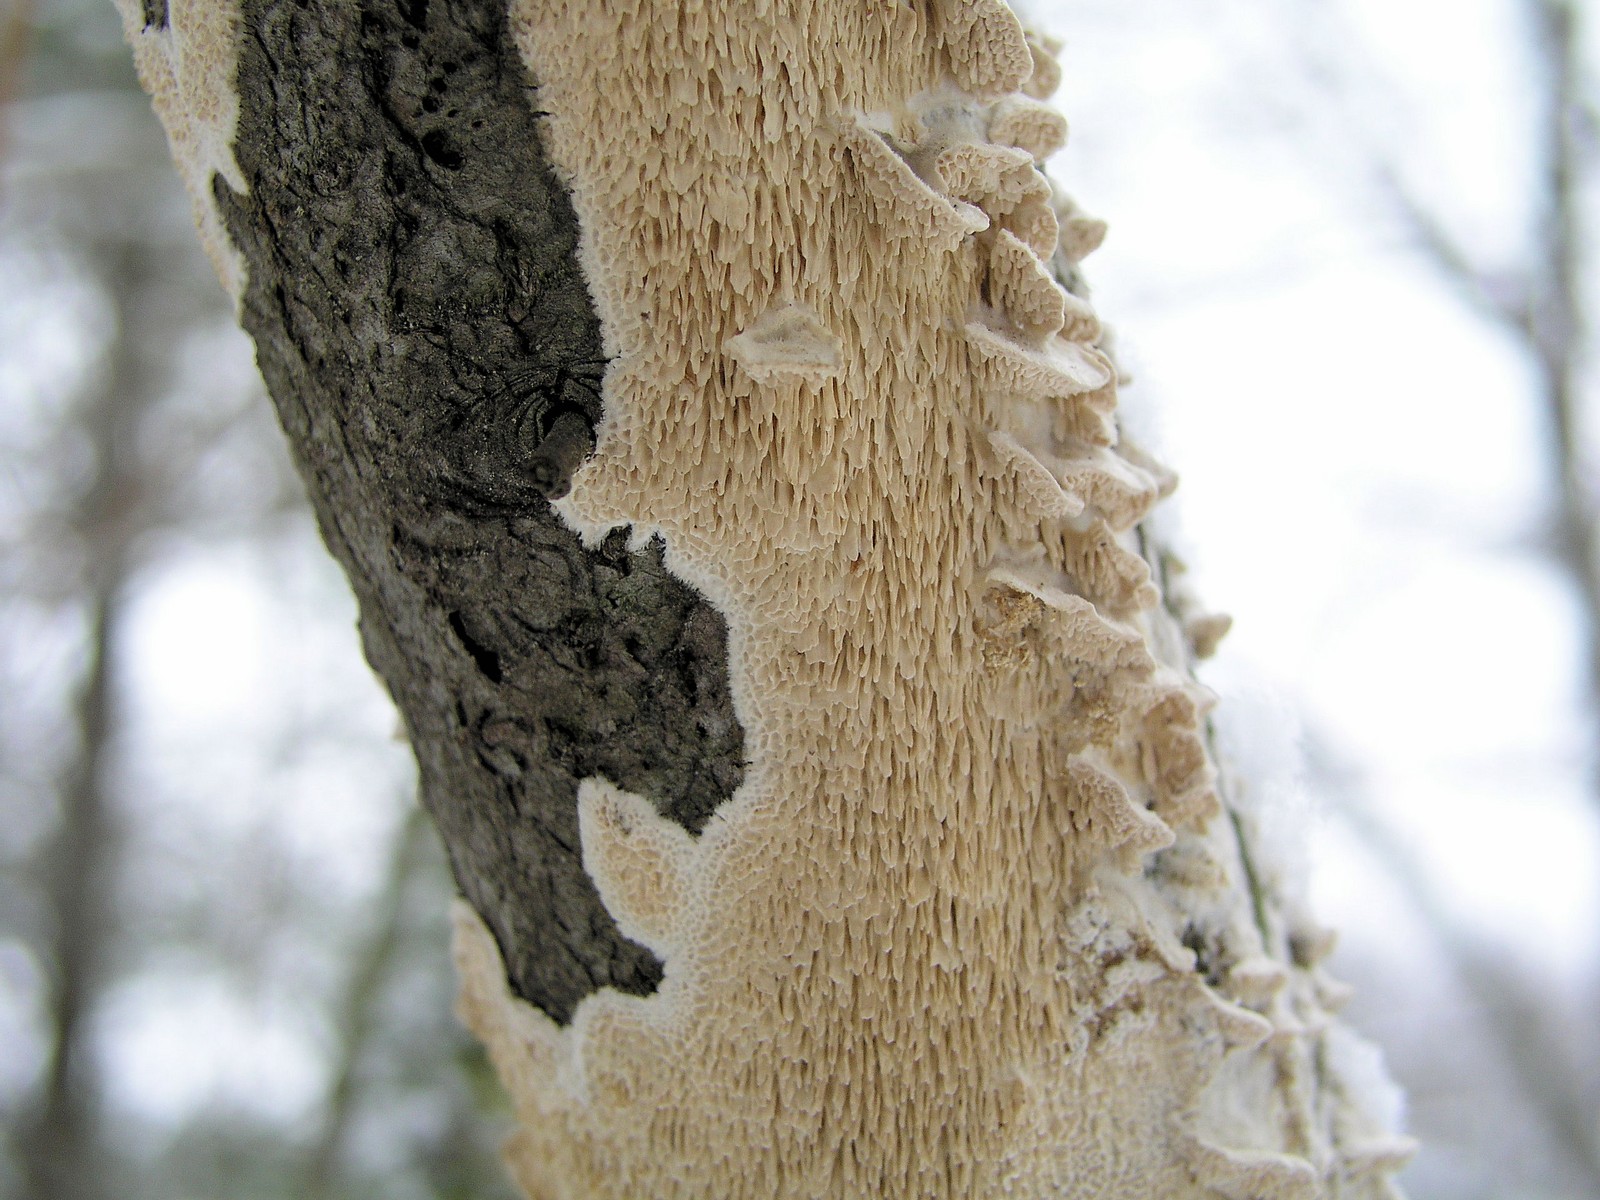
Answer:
[(1558, 331), (1514, 1015), (356, 1017), (16, 25), (1504, 301)]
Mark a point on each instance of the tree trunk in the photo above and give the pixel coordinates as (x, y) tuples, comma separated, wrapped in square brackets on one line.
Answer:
[(735, 504), (61, 1148)]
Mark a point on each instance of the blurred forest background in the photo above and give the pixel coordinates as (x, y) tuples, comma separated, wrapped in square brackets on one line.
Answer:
[(1350, 261)]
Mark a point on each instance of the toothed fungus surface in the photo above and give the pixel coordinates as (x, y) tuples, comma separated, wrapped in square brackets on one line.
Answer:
[(942, 943), (980, 919)]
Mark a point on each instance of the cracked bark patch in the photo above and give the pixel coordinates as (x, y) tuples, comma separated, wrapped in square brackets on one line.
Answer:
[(435, 358)]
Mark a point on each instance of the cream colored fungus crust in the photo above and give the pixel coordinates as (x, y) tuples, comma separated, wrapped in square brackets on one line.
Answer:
[(977, 924), (187, 66)]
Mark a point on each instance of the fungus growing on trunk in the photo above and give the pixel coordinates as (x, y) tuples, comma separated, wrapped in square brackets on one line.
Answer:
[(924, 881)]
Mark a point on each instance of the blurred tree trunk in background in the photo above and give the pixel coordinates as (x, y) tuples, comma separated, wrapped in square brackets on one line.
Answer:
[(1552, 312), (1541, 304), (115, 900), (61, 1147)]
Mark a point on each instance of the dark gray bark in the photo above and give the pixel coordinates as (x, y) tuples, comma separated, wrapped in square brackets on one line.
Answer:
[(435, 358)]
